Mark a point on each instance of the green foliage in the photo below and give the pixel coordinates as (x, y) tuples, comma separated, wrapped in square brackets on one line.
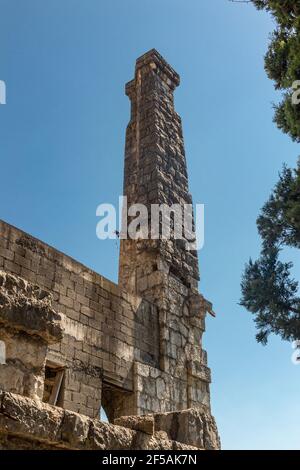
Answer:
[(279, 222), (268, 292), (287, 117), (285, 12), (282, 61)]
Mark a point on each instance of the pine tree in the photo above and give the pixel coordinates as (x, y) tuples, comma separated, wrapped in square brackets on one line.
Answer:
[(268, 291)]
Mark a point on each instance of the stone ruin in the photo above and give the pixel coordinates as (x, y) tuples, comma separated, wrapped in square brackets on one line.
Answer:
[(72, 341)]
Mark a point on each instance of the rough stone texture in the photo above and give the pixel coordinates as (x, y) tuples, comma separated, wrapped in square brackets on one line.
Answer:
[(27, 307), (163, 271), (28, 323), (194, 426), (105, 328), (155, 173), (29, 424), (143, 423), (134, 348)]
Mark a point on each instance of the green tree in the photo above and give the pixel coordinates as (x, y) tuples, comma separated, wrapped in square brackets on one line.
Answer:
[(282, 61), (268, 291), (279, 221)]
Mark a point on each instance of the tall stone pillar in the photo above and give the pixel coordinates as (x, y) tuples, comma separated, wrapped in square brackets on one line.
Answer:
[(164, 271), (155, 173)]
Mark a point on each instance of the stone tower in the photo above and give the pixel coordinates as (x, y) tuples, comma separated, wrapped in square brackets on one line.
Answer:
[(155, 173), (71, 341), (163, 271)]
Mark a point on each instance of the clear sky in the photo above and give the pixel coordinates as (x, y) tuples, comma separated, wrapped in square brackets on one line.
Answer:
[(62, 132)]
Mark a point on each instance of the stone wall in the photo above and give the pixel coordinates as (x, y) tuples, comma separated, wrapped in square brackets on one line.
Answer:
[(28, 424), (155, 173), (133, 348), (106, 329), (112, 340), (163, 271), (28, 324)]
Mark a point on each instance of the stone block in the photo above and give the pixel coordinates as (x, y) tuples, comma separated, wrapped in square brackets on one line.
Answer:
[(137, 423), (75, 429), (194, 427)]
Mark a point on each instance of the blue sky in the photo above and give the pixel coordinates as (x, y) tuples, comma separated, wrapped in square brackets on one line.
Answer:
[(62, 133)]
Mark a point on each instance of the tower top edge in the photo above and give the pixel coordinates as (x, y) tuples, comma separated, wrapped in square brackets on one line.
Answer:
[(154, 59)]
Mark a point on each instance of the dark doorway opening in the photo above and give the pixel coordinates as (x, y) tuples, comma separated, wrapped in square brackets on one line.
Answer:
[(116, 402), (54, 384)]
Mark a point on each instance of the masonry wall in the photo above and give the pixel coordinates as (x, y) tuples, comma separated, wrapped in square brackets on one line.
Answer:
[(155, 172), (118, 349), (106, 329), (163, 270), (26, 424), (135, 348)]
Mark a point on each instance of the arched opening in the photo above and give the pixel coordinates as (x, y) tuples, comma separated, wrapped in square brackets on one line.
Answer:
[(2, 353)]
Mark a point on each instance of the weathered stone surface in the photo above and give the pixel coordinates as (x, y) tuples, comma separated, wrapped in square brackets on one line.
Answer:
[(101, 347), (163, 271), (23, 371), (137, 423), (75, 429), (104, 436), (27, 307), (24, 417), (133, 348), (28, 323), (158, 441), (194, 427), (27, 424)]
